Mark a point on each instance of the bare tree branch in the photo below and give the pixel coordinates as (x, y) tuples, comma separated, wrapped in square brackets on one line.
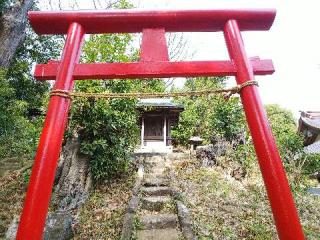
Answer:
[(50, 4), (94, 4), (59, 4)]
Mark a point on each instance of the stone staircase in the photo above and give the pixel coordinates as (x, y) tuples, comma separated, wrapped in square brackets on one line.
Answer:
[(157, 214)]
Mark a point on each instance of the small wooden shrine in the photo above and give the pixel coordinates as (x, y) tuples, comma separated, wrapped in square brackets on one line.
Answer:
[(157, 118)]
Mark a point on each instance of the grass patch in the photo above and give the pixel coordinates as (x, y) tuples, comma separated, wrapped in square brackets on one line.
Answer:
[(13, 187), (137, 225), (224, 208), (102, 215)]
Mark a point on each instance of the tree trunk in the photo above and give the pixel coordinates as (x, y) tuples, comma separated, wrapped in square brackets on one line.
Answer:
[(12, 30), (73, 178), (73, 181), (72, 185)]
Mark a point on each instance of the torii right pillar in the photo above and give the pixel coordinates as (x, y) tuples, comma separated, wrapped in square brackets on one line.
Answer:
[(280, 197)]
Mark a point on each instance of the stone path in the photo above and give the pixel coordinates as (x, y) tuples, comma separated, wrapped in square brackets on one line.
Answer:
[(154, 211)]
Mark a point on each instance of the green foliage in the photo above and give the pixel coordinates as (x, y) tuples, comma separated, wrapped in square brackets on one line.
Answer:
[(227, 118), (21, 97), (245, 154), (108, 128), (212, 115), (12, 122), (208, 115), (35, 49), (284, 128), (309, 163), (289, 141), (108, 133)]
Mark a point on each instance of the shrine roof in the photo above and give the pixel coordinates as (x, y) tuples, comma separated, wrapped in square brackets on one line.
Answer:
[(160, 103)]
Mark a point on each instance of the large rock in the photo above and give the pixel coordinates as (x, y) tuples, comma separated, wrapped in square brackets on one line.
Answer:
[(209, 154), (72, 184)]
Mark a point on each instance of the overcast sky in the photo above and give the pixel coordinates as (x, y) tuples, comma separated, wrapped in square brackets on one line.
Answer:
[(293, 44)]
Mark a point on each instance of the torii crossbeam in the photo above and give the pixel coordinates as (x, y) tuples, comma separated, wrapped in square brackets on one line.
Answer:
[(154, 62)]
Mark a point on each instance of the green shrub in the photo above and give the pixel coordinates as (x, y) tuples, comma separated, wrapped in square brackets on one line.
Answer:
[(284, 128), (22, 98), (208, 115), (108, 132), (310, 163), (108, 129), (227, 118), (18, 134)]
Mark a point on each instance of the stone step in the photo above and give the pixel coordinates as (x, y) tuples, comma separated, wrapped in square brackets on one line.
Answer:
[(156, 191), (151, 181), (178, 156), (154, 166), (158, 234), (154, 175), (155, 203), (154, 160), (155, 170), (159, 221)]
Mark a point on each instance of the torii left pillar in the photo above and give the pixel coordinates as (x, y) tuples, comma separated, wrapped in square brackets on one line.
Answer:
[(34, 213)]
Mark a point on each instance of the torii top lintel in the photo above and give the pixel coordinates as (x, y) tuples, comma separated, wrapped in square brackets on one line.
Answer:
[(154, 61), (117, 21)]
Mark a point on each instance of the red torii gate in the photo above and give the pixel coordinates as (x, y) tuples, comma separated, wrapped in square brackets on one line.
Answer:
[(154, 63)]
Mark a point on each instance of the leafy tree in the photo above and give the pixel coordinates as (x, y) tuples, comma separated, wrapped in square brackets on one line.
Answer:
[(208, 115), (108, 128), (284, 129), (289, 141), (228, 118), (12, 122), (35, 49), (21, 97)]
